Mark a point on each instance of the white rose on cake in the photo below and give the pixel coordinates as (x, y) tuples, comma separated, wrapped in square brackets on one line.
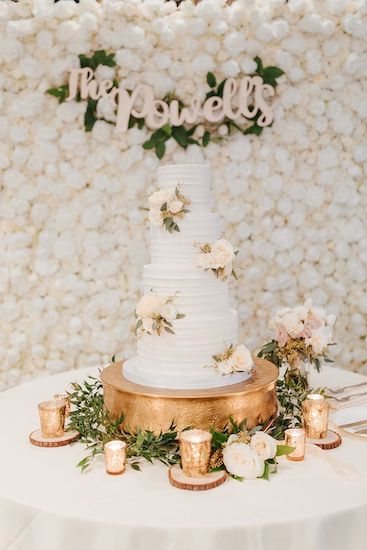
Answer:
[(148, 305), (148, 325), (242, 461), (225, 367), (169, 312), (158, 198), (222, 253), (205, 261), (242, 359), (175, 206), (264, 445)]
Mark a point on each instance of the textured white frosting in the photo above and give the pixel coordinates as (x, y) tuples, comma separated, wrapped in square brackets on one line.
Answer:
[(179, 360)]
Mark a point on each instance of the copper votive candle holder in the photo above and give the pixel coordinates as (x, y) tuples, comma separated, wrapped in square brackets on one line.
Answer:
[(315, 410), (296, 437), (64, 396), (115, 457), (195, 448), (52, 418)]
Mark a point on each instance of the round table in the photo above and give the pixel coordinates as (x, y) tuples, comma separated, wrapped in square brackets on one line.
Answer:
[(47, 504)]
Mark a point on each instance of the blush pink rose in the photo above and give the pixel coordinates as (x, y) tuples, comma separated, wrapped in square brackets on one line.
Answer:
[(281, 335), (312, 323)]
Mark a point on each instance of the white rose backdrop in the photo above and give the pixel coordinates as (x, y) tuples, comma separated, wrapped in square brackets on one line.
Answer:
[(294, 200)]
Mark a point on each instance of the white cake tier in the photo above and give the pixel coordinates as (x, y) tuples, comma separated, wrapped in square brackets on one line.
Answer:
[(182, 360), (179, 247), (194, 182), (194, 291)]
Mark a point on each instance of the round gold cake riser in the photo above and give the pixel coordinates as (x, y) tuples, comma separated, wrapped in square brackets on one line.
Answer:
[(155, 409)]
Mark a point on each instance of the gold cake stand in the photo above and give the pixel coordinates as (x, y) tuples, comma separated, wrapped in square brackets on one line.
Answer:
[(155, 409)]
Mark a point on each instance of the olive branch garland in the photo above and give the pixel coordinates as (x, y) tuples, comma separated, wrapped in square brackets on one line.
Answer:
[(183, 135), (96, 427)]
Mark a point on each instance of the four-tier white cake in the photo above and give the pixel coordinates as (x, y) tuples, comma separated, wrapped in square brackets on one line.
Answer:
[(198, 322)]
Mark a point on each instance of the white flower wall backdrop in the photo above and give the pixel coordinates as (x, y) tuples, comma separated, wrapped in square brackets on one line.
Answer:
[(294, 199)]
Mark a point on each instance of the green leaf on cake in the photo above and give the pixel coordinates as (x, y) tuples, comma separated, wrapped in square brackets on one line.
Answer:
[(167, 329), (164, 207), (180, 316)]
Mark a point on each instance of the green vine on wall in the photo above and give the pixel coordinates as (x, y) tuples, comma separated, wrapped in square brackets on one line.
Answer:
[(198, 134)]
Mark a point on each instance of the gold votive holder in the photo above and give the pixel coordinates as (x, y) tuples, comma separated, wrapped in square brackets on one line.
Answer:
[(52, 418), (115, 457), (296, 437), (195, 448), (64, 397), (315, 411)]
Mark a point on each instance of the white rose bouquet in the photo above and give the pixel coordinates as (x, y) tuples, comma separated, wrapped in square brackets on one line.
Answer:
[(155, 314), (218, 258), (302, 334), (233, 359), (246, 454), (166, 207)]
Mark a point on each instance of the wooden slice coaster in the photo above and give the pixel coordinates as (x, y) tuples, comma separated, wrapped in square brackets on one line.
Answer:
[(37, 439), (331, 441), (181, 481)]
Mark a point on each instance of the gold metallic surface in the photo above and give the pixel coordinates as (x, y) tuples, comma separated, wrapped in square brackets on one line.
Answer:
[(52, 418), (295, 437), (315, 412), (155, 409), (195, 446)]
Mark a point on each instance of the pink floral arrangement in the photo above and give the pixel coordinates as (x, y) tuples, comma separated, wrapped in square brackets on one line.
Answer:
[(300, 333)]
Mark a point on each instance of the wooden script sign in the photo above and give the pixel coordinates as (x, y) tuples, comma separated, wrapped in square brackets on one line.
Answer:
[(247, 97)]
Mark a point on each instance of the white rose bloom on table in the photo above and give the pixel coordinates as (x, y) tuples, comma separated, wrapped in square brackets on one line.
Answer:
[(293, 324), (264, 445), (222, 253), (242, 359), (148, 305), (320, 339), (242, 461)]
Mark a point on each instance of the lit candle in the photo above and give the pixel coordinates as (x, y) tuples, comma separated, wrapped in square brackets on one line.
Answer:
[(315, 411), (195, 448), (295, 437), (115, 457), (52, 418), (64, 397)]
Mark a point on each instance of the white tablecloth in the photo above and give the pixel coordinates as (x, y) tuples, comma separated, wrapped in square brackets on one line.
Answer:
[(46, 504)]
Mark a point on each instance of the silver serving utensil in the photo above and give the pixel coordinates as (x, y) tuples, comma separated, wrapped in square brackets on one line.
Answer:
[(341, 390), (353, 424), (348, 397)]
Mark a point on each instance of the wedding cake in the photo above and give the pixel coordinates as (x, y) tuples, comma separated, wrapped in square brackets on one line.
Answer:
[(187, 333)]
